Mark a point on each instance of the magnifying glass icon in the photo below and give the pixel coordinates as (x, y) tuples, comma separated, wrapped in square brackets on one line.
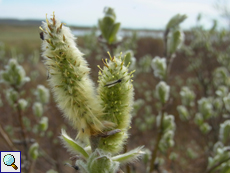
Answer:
[(9, 160)]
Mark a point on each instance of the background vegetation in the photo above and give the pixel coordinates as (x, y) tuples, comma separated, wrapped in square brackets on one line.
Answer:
[(202, 65)]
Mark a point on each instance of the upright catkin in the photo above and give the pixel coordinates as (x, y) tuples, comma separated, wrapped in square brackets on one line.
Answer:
[(69, 79), (116, 96)]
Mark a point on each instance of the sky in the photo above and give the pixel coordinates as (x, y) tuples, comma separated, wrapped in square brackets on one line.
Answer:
[(149, 14)]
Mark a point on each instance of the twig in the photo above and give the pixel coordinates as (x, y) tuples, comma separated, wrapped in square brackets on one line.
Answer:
[(165, 42), (111, 47), (201, 79), (20, 142), (7, 139), (31, 168), (159, 136), (23, 132), (156, 147), (48, 158), (216, 165), (170, 57), (161, 132), (169, 66)]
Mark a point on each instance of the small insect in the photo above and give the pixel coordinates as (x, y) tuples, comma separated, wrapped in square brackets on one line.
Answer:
[(111, 84), (42, 35), (73, 166), (48, 74)]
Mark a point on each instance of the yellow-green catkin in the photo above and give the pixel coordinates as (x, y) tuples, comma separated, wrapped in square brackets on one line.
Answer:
[(69, 79), (116, 96)]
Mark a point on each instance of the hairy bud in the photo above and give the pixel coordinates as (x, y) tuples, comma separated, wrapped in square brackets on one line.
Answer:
[(162, 91), (159, 67)]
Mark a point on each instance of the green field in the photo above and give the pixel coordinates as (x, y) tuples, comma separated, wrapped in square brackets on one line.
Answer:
[(19, 35)]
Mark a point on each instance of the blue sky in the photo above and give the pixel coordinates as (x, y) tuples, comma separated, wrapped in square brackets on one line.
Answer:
[(150, 14)]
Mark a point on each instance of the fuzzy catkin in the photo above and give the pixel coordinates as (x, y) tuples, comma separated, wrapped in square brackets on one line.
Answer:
[(117, 100), (69, 79)]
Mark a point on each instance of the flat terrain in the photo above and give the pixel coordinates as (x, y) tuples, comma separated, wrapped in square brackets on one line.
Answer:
[(23, 39)]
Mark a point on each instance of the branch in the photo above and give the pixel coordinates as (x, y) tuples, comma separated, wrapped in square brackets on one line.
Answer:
[(165, 42), (23, 132), (216, 165), (160, 132), (111, 47), (31, 167), (159, 136), (156, 147), (7, 139)]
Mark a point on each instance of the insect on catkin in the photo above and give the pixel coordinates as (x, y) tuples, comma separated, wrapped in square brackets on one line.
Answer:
[(69, 79), (116, 96)]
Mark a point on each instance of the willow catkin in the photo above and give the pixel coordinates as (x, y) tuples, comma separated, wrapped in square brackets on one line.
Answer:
[(69, 79), (116, 96)]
